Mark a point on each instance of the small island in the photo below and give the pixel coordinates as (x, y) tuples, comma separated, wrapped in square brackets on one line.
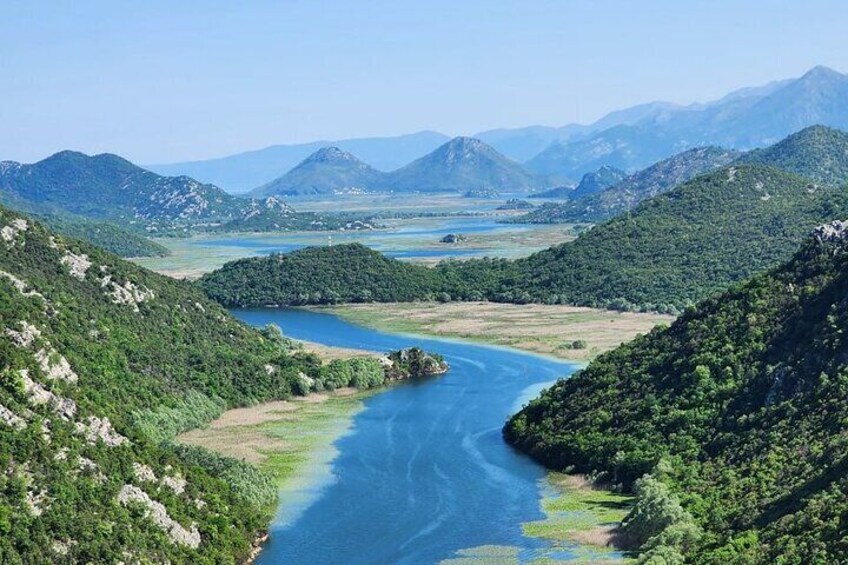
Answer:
[(486, 193), (412, 363), (515, 204), (454, 238)]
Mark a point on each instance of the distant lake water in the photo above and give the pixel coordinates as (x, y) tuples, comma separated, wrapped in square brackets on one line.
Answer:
[(424, 472), (406, 240)]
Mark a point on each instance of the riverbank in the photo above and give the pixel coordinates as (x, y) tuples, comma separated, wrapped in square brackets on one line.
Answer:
[(280, 437), (579, 513), (568, 332)]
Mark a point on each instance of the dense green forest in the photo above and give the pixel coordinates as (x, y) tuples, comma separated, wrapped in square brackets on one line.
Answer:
[(818, 153), (673, 249), (730, 424), (101, 364)]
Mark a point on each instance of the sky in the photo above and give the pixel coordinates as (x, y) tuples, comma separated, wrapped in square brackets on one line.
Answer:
[(162, 81)]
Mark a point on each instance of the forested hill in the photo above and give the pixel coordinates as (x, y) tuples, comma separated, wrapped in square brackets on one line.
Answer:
[(737, 412), (818, 153), (686, 244), (672, 250), (100, 361)]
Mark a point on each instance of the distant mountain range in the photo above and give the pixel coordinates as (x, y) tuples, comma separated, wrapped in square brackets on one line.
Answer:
[(460, 164), (628, 139), (245, 171), (818, 153), (745, 119), (109, 188)]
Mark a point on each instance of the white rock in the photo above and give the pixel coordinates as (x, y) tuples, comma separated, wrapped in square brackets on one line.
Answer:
[(144, 473), (21, 285), (11, 419), (176, 484), (55, 366), (78, 265), (64, 407), (159, 514), (26, 336), (10, 232), (94, 429)]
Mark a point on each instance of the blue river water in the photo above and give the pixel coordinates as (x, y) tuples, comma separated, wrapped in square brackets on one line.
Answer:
[(424, 471)]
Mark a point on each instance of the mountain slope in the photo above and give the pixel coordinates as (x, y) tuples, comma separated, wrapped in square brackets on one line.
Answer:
[(462, 164), (327, 171), (107, 187), (597, 181), (102, 363), (736, 410), (818, 153), (245, 171), (101, 359), (647, 183)]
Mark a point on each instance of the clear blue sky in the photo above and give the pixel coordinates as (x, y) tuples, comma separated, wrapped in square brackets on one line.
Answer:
[(160, 81)]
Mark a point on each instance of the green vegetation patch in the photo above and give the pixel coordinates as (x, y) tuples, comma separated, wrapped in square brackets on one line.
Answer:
[(571, 505), (307, 434)]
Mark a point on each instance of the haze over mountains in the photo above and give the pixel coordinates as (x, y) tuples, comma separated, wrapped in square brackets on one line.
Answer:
[(818, 153), (461, 164), (628, 139)]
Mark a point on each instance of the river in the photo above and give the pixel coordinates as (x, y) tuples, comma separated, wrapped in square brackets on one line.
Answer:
[(423, 472)]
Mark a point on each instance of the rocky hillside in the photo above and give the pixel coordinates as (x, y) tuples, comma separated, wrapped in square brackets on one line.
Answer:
[(729, 424), (98, 232), (100, 361)]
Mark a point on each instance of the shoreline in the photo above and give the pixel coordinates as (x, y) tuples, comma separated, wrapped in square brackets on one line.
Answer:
[(580, 512)]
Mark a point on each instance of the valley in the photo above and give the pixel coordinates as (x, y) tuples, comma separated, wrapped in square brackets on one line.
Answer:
[(413, 239), (444, 283)]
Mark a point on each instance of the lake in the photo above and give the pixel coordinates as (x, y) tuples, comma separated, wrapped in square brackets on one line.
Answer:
[(424, 471), (408, 239)]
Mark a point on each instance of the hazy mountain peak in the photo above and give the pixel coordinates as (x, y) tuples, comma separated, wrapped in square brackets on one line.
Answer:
[(329, 170), (462, 163), (821, 72), (330, 154)]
